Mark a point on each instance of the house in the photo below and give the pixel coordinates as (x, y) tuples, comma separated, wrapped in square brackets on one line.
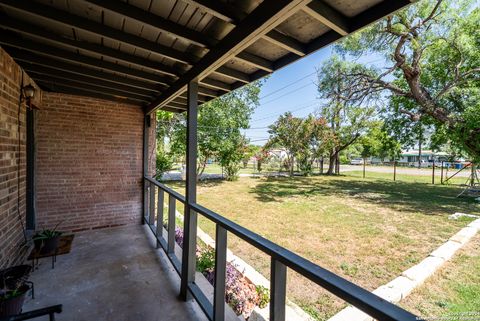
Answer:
[(427, 157), (80, 81)]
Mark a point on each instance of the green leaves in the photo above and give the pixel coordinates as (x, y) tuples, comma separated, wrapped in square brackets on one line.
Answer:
[(302, 138), (432, 52), (220, 122)]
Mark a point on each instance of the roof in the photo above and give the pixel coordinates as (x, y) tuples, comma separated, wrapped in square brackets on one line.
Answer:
[(146, 52), (415, 152)]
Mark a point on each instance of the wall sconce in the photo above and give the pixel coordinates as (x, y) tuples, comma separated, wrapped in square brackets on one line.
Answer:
[(29, 93)]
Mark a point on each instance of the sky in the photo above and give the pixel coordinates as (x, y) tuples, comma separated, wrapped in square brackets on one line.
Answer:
[(292, 88)]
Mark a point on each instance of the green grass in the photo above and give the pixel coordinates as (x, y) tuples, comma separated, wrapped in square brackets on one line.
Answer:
[(454, 290), (367, 230)]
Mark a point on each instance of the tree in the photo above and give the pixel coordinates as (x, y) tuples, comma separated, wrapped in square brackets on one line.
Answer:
[(164, 157), (304, 139), (249, 152), (315, 139), (433, 52), (231, 155), (220, 122), (377, 142), (347, 121), (286, 132)]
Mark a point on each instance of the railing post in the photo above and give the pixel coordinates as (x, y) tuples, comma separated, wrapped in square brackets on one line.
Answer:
[(151, 217), (220, 273), (146, 125), (160, 197), (171, 224), (278, 290), (190, 219), (146, 184)]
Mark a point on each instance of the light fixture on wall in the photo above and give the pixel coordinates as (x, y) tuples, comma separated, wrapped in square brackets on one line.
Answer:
[(28, 94)]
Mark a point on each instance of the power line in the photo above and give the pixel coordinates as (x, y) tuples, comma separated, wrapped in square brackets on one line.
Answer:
[(215, 127), (288, 85), (287, 93), (306, 76), (278, 114)]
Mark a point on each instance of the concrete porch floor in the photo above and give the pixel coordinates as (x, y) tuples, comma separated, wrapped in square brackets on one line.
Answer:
[(112, 274)]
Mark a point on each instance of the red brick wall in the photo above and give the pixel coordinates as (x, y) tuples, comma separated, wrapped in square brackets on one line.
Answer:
[(89, 163), (12, 161)]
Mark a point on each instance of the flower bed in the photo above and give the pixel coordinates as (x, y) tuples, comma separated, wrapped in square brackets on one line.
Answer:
[(241, 294)]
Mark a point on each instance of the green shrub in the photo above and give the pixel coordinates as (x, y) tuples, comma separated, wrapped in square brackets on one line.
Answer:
[(164, 163), (206, 260), (231, 171), (263, 296)]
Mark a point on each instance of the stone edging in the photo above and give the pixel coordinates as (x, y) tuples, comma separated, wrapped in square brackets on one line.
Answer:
[(399, 288), (293, 311)]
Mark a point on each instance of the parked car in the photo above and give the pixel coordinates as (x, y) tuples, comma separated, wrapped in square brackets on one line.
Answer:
[(356, 161)]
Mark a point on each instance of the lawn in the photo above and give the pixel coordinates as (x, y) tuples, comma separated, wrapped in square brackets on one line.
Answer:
[(454, 291), (367, 230)]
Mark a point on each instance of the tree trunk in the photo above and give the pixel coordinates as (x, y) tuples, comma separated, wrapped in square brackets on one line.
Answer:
[(331, 163), (201, 169)]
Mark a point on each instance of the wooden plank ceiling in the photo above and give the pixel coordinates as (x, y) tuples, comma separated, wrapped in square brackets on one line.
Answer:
[(146, 51)]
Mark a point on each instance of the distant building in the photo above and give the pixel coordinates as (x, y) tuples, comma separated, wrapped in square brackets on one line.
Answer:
[(411, 157)]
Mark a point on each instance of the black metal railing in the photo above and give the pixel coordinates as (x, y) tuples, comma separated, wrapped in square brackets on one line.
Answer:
[(50, 311), (281, 260)]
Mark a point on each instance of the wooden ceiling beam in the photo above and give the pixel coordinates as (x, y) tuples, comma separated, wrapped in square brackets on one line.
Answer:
[(233, 74), (63, 75), (328, 16), (88, 93), (217, 9), (148, 18), (45, 79), (286, 42), (39, 33), (73, 21), (233, 16), (255, 61), (262, 19), (57, 53), (28, 57), (215, 84)]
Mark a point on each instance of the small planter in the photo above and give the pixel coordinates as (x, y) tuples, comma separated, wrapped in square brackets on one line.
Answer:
[(37, 244), (50, 245), (13, 305), (47, 240)]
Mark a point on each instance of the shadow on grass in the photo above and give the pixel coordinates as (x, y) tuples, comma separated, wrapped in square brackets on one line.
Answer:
[(406, 196)]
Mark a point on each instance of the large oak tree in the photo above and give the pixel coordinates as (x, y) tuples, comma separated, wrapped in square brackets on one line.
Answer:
[(432, 51)]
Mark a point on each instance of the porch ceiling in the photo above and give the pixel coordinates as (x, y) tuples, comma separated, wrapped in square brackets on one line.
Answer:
[(146, 51)]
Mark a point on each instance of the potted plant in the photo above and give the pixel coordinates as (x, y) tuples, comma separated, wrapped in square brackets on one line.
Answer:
[(47, 240), (13, 289)]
